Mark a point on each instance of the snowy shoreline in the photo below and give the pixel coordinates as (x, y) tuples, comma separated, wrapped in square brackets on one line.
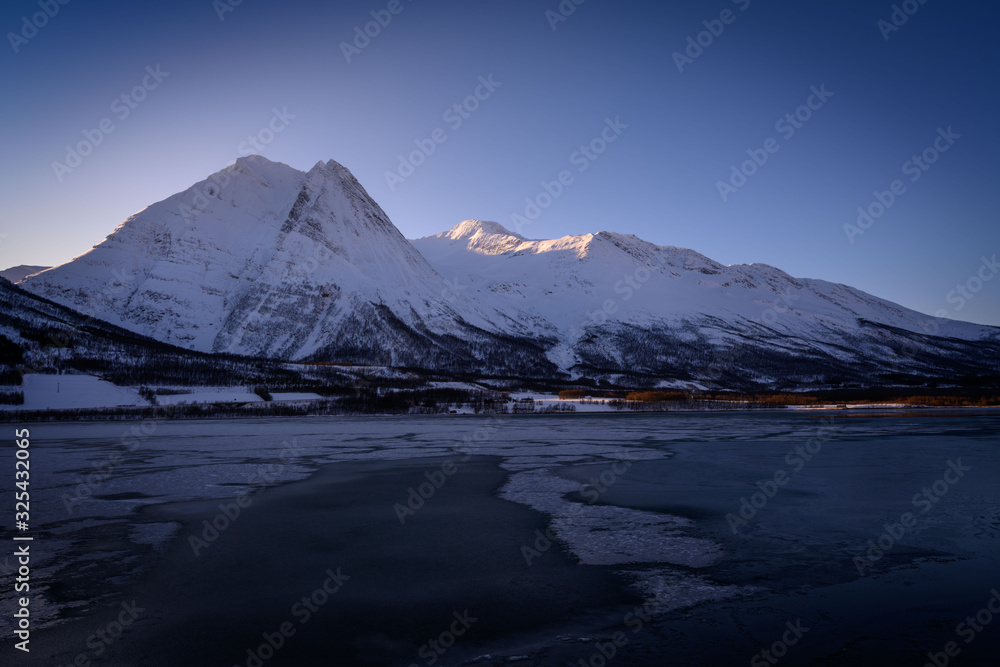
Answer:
[(87, 397)]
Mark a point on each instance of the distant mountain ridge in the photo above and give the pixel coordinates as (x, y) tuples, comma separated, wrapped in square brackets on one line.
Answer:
[(262, 259), (624, 304), (20, 272)]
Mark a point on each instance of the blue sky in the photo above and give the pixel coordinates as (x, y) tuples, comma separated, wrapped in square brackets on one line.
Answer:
[(552, 92)]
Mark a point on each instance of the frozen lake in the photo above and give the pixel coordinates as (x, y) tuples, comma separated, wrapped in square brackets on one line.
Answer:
[(827, 538)]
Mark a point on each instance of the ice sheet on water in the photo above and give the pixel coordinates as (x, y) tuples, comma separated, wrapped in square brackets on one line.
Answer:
[(666, 590), (607, 535), (105, 471)]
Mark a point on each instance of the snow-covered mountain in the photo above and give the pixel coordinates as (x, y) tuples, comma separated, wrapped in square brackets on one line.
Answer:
[(266, 260), (569, 280), (20, 272), (619, 302), (262, 259)]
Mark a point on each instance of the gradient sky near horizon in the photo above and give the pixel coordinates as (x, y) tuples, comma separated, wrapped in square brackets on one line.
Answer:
[(658, 179)]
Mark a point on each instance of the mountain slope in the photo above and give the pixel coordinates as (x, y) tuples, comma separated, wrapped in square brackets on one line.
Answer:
[(41, 336), (623, 304)]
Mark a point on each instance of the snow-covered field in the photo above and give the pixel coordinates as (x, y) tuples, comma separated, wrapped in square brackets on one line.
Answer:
[(67, 392), (74, 392)]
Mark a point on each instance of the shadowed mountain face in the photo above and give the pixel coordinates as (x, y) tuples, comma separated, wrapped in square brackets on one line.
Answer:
[(40, 336), (265, 260)]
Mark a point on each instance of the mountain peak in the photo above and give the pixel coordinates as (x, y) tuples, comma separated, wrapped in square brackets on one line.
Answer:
[(254, 158), (468, 229), (258, 164), (331, 166)]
